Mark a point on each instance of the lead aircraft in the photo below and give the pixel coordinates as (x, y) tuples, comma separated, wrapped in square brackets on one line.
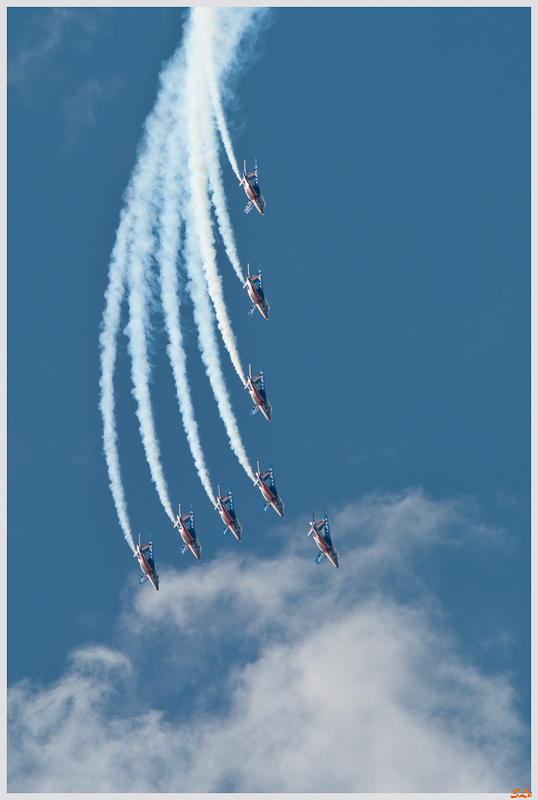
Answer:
[(185, 524), (225, 507), (254, 287), (265, 481), (249, 182), (144, 554), (256, 389), (322, 537)]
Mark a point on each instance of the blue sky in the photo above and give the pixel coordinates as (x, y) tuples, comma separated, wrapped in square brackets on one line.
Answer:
[(393, 148)]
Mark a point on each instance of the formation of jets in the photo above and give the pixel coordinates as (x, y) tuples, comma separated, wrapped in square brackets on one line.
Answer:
[(265, 481)]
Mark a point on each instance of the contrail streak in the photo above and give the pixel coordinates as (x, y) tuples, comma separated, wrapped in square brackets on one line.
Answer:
[(140, 372), (218, 197), (223, 29), (145, 195), (170, 222), (110, 326), (223, 53), (121, 268), (210, 351), (196, 107)]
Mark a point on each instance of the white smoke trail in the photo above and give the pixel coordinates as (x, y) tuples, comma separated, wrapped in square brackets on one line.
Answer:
[(218, 197), (139, 199), (224, 28), (209, 349), (170, 222), (145, 198), (219, 55), (191, 193), (140, 372), (110, 326), (198, 105)]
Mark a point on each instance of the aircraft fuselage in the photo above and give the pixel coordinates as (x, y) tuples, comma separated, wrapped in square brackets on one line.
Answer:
[(272, 498), (260, 302), (259, 401), (189, 540), (231, 523), (150, 574), (326, 549), (254, 197)]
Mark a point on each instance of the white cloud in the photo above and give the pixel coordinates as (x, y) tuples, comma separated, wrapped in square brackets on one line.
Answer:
[(80, 107), (329, 683), (43, 35)]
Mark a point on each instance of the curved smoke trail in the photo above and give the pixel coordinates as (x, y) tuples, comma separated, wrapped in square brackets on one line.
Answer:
[(110, 326), (139, 197), (197, 105), (223, 30), (169, 236), (210, 352), (218, 197), (145, 201)]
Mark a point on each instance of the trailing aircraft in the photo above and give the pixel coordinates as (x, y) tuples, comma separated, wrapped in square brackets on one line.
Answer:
[(265, 481), (322, 537), (225, 507), (185, 524), (249, 182), (256, 389), (254, 287), (144, 554)]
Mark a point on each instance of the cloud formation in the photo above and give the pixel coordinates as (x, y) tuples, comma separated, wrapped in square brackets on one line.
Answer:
[(290, 678), (44, 33), (80, 108)]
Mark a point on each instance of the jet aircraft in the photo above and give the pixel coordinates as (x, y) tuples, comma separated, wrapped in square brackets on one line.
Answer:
[(254, 287), (322, 537), (265, 481), (185, 524), (256, 389), (144, 554), (225, 507), (249, 182)]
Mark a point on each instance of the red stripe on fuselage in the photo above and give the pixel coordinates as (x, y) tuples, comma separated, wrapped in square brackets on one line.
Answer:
[(324, 547), (185, 535), (269, 496)]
